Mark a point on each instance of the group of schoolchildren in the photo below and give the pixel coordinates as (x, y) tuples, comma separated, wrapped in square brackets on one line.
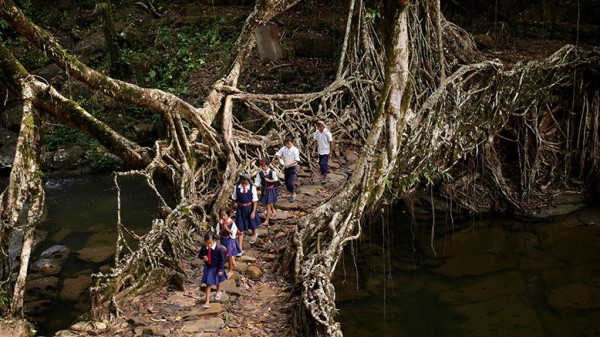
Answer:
[(245, 199)]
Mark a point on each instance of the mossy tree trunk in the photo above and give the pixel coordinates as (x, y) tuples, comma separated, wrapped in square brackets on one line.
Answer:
[(104, 9)]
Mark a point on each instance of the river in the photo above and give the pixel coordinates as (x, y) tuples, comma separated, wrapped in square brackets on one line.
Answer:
[(82, 214), (488, 277)]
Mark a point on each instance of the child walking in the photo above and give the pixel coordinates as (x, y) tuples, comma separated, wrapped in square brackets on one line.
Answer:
[(323, 143), (267, 179), (245, 196), (228, 232), (291, 157), (213, 255)]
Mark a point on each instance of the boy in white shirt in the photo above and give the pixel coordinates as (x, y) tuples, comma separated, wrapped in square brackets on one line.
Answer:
[(291, 157), (323, 142)]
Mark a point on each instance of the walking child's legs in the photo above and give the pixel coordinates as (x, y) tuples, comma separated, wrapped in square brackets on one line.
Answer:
[(231, 263), (324, 164), (272, 210), (240, 238), (207, 292), (269, 212), (287, 177), (290, 178)]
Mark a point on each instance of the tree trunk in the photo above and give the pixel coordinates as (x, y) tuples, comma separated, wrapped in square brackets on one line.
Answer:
[(23, 199), (104, 7)]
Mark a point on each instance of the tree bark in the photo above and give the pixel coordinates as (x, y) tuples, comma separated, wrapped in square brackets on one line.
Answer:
[(104, 7), (23, 199)]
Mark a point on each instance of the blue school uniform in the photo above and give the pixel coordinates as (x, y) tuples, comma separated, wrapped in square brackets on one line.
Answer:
[(216, 263), (244, 209), (269, 190), (230, 242)]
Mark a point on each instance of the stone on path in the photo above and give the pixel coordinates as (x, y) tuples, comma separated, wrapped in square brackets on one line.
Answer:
[(179, 298), (335, 178), (284, 204), (197, 262), (224, 297), (304, 174), (351, 156), (96, 254), (211, 324), (247, 258), (198, 312), (240, 265), (311, 190), (254, 273), (230, 287), (281, 215)]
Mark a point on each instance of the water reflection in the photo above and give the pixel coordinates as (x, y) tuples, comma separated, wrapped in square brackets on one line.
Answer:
[(82, 216), (495, 277)]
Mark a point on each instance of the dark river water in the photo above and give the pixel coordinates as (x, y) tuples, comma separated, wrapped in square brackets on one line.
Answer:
[(488, 277), (82, 213)]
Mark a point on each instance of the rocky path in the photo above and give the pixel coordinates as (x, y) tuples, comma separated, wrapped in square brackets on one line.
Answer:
[(255, 301)]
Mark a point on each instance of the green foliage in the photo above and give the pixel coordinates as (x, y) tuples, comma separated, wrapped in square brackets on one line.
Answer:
[(184, 51), (101, 161), (95, 158), (3, 25), (64, 134), (374, 13), (4, 297)]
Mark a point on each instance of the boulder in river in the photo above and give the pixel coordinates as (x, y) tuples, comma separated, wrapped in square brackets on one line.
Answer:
[(43, 287), (46, 267), (96, 254), (56, 253), (74, 287), (38, 307), (562, 203), (67, 157), (575, 296)]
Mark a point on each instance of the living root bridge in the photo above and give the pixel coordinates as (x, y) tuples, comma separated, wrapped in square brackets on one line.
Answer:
[(410, 118)]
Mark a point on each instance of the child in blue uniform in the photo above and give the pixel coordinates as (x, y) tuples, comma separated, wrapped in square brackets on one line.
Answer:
[(213, 255), (246, 218), (267, 179), (228, 232)]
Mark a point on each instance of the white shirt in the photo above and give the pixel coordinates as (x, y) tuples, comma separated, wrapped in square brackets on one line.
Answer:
[(324, 140), (254, 194), (289, 154), (233, 228), (258, 181)]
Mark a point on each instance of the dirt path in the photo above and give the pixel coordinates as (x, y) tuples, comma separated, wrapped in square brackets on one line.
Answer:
[(255, 301)]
